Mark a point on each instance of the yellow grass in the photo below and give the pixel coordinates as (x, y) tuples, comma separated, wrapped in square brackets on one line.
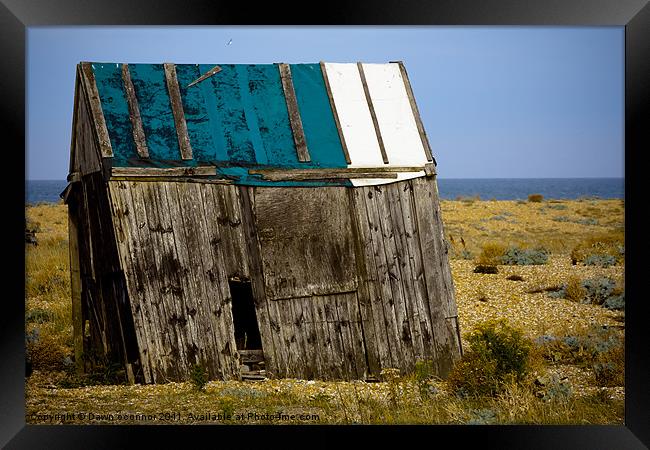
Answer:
[(469, 225)]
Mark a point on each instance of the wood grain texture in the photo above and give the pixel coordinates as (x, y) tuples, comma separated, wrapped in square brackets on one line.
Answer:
[(269, 337), (75, 284), (78, 92), (371, 325), (305, 241), (97, 114), (87, 154), (134, 113), (177, 111), (294, 114), (437, 273)]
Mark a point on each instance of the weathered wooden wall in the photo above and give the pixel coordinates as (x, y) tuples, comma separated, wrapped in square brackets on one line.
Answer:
[(85, 153), (346, 281), (406, 291), (179, 243), (102, 318)]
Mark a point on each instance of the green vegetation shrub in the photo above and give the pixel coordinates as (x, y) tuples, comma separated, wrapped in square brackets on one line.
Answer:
[(226, 408), (45, 352), (483, 416), (535, 198), (609, 366), (599, 290), (600, 260), (38, 315), (616, 302), (574, 290), (491, 254), (498, 354), (199, 377), (596, 291), (424, 373), (550, 388), (516, 256), (600, 349), (556, 206), (599, 249)]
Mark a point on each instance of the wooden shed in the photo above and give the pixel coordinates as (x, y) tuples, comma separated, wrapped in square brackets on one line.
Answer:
[(282, 216)]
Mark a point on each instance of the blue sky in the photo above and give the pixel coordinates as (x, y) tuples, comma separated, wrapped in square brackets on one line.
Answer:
[(496, 102)]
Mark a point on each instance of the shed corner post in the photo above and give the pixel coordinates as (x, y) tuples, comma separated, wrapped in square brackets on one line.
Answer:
[(75, 286)]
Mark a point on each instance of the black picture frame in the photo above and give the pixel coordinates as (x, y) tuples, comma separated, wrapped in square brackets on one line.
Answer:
[(17, 15)]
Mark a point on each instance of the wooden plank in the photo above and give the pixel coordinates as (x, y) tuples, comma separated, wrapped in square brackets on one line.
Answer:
[(281, 348), (75, 112), (305, 240), (304, 370), (268, 336), (309, 341), (335, 113), (339, 362), (209, 73), (393, 261), (416, 112), (438, 293), (186, 266), (373, 115), (372, 321), (408, 277), (164, 172), (97, 113), (221, 305), (212, 288), (87, 151), (386, 299), (163, 364), (294, 114), (160, 229), (177, 179), (177, 111), (417, 269), (294, 367), (134, 113), (347, 309), (229, 220), (327, 369), (186, 220), (231, 261), (348, 172), (126, 234), (342, 324), (75, 286), (357, 337)]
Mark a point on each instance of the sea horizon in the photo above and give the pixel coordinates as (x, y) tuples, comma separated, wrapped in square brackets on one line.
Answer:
[(560, 188)]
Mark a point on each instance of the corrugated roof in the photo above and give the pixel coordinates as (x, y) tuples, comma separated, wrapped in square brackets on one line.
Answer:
[(241, 117)]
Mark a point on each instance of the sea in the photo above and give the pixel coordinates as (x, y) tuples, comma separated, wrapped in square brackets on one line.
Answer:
[(48, 191)]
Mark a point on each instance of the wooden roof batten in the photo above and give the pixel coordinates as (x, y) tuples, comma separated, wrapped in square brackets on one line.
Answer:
[(177, 111), (134, 114), (99, 122)]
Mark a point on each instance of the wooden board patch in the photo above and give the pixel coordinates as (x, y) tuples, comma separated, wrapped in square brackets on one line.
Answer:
[(306, 240)]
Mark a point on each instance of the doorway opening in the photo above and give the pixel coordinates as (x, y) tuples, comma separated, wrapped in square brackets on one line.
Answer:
[(247, 332)]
